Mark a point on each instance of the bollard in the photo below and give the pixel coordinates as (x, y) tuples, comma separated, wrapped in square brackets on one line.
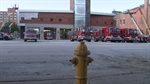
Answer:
[(81, 61)]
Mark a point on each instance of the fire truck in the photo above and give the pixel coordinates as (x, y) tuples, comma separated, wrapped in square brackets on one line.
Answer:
[(81, 33), (129, 35), (110, 34), (48, 35), (96, 35)]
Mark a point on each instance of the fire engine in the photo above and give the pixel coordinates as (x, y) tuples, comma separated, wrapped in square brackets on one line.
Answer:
[(129, 35), (96, 35), (48, 35), (82, 33), (110, 34)]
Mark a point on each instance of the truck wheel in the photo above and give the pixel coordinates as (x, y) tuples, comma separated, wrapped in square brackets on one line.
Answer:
[(89, 40), (71, 40), (25, 40), (6, 38), (104, 40), (95, 40)]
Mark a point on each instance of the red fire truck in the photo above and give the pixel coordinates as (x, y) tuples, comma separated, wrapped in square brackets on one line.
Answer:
[(110, 34), (96, 35), (129, 35), (48, 35), (82, 33)]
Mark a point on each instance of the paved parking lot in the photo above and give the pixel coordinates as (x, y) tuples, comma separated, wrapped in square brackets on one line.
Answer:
[(46, 62)]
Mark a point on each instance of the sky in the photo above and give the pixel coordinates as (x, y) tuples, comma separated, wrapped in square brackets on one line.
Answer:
[(106, 6)]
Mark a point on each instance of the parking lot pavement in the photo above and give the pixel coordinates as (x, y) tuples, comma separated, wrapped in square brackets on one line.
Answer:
[(46, 61)]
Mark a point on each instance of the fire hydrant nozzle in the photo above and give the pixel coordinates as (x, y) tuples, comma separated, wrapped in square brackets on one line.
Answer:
[(81, 61)]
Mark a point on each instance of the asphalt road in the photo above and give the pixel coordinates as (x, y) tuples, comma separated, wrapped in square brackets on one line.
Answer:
[(47, 62)]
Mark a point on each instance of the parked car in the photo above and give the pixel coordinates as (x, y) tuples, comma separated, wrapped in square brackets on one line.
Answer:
[(5, 36), (1, 36), (30, 34)]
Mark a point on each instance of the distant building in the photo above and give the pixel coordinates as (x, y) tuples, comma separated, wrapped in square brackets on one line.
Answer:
[(9, 15), (124, 20)]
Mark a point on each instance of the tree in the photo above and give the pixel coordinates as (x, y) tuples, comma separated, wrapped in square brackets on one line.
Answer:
[(7, 24), (13, 27)]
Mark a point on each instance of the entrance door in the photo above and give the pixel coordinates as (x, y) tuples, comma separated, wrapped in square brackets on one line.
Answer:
[(64, 33)]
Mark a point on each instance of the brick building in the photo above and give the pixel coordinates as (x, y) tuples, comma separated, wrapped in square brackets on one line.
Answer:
[(59, 22), (9, 15), (124, 20)]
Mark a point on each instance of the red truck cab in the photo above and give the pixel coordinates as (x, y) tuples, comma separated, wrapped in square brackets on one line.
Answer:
[(82, 33), (129, 35), (111, 34)]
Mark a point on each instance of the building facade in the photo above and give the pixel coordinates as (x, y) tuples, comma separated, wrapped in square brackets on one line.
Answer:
[(59, 22)]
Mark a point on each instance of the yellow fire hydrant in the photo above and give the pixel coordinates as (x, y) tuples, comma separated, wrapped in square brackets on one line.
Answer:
[(81, 61)]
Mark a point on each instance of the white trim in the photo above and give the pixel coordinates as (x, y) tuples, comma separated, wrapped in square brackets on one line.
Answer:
[(65, 11)]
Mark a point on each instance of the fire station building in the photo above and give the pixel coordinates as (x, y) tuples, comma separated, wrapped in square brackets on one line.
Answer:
[(59, 22)]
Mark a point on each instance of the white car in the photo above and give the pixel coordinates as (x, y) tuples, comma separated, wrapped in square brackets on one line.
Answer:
[(30, 35)]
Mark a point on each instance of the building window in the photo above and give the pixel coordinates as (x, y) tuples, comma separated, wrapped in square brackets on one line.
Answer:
[(22, 18), (69, 20), (41, 19), (96, 22), (51, 19), (105, 22), (120, 21), (15, 18), (60, 19), (111, 23), (32, 18), (123, 21)]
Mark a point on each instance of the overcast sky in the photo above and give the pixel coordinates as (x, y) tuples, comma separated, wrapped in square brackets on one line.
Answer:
[(106, 6)]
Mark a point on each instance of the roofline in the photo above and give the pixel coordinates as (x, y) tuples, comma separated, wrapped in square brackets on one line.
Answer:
[(35, 11), (65, 11)]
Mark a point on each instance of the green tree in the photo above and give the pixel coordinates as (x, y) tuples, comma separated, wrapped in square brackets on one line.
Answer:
[(14, 27), (7, 24)]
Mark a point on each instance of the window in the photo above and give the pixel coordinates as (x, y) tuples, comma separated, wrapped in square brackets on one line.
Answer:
[(15, 18), (32, 18), (22, 18), (105, 22), (51, 19), (41, 19), (120, 21), (111, 23), (96, 22), (123, 21), (69, 20), (60, 19)]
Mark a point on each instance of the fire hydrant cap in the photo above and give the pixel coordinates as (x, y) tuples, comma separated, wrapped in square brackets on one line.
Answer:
[(81, 50)]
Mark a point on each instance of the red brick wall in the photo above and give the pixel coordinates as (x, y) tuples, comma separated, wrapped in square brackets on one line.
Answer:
[(101, 20), (96, 20), (55, 16)]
